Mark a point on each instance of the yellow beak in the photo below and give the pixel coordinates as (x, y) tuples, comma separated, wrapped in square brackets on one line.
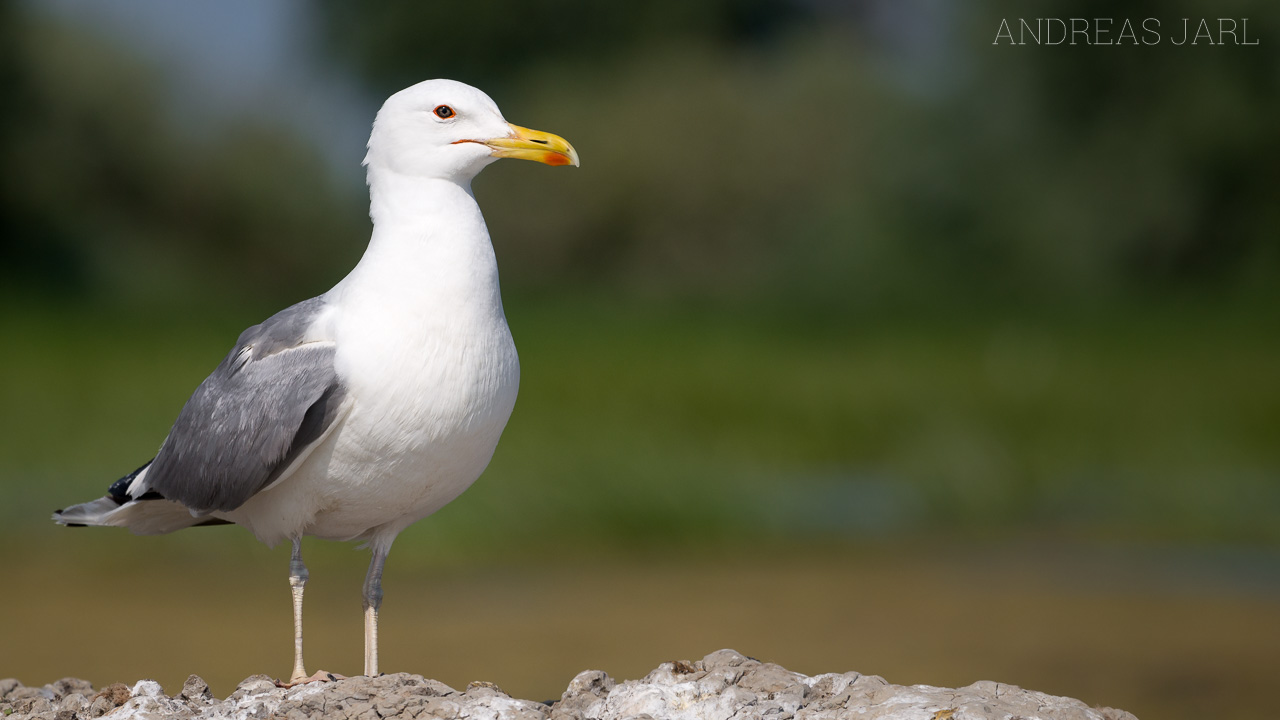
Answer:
[(526, 144)]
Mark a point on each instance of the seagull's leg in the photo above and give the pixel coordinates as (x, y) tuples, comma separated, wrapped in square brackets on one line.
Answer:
[(372, 601), (297, 581)]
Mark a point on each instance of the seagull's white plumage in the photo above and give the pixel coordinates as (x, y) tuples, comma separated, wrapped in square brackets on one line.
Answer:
[(421, 343), (357, 413)]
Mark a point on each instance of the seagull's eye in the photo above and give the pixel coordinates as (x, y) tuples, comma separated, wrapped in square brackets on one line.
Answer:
[(444, 112)]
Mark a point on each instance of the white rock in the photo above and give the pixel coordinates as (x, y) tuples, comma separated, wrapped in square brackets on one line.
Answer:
[(721, 686)]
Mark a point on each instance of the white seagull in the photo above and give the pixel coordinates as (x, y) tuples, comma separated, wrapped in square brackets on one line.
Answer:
[(352, 415)]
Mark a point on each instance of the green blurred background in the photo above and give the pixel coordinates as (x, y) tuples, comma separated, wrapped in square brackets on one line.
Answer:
[(857, 343)]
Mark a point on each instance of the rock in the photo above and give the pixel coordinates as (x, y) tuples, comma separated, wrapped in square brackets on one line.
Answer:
[(33, 707), (196, 690), (722, 685), (116, 694), (70, 705), (68, 686), (587, 688), (99, 706), (25, 693)]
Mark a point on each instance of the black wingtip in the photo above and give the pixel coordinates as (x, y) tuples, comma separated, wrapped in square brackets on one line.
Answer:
[(119, 489)]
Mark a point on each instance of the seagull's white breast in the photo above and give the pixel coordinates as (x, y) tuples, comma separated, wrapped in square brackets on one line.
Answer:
[(431, 374), (427, 409)]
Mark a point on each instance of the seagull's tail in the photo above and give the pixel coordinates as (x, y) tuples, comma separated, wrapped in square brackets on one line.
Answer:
[(144, 517), (148, 514)]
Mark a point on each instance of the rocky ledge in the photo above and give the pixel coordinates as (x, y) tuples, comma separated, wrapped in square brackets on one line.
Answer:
[(722, 685)]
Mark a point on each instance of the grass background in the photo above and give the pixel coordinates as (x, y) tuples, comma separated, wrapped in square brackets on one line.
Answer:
[(1141, 423)]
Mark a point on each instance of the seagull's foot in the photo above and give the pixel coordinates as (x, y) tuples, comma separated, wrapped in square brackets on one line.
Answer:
[(319, 676)]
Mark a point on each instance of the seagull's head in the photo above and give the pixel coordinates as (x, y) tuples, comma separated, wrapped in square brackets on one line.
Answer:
[(445, 129)]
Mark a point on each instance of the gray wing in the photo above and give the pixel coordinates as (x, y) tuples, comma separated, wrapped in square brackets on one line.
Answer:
[(272, 397)]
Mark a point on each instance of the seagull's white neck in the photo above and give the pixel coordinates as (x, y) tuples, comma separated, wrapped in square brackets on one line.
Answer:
[(398, 201), (429, 252)]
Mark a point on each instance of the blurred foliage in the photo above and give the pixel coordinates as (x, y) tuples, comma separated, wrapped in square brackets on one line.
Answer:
[(847, 156), (488, 42), (827, 269), (109, 197), (639, 428), (854, 154)]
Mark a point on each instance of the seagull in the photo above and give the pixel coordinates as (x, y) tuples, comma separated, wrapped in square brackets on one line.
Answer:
[(353, 415)]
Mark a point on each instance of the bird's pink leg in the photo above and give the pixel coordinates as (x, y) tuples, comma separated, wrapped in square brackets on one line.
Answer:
[(297, 581), (372, 601)]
